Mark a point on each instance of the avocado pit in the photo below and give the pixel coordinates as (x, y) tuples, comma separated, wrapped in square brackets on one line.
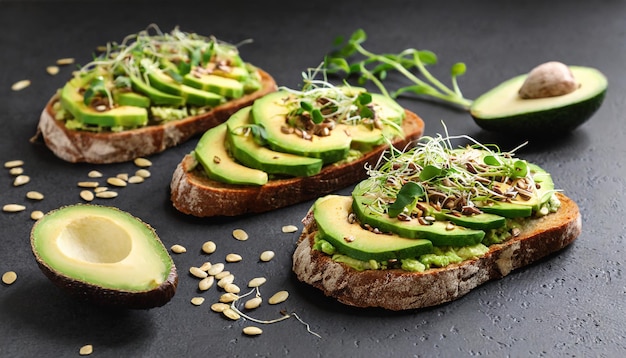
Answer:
[(549, 79)]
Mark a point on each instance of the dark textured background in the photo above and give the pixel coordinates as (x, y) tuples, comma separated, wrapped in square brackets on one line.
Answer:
[(571, 304)]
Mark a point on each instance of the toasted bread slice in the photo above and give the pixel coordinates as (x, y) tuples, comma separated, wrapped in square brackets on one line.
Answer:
[(192, 192), (396, 289), (114, 147)]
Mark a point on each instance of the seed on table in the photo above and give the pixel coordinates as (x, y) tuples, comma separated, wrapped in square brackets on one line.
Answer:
[(16, 171), (266, 256), (230, 313), (21, 180), (222, 274), (86, 195), (289, 228), (197, 272), (240, 235), (100, 189), (13, 164), (225, 280), (88, 184), (86, 350), (252, 330), (206, 283), (52, 70), (65, 61), (209, 247), (233, 258), (219, 307), (20, 85), (36, 215), (278, 297), (106, 194), (9, 277), (135, 179), (256, 282), (123, 176), (115, 181), (94, 174), (232, 288), (142, 162), (228, 297), (34, 195), (205, 266), (253, 303), (197, 301), (216, 268), (13, 208), (144, 173), (178, 249)]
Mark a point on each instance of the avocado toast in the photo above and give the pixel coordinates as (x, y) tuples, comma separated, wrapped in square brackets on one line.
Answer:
[(146, 94), (288, 147), (431, 224)]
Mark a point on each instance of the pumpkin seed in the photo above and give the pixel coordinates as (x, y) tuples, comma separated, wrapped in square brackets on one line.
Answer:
[(233, 258), (94, 174), (13, 163), (252, 330), (219, 307), (115, 181), (142, 162), (178, 249), (226, 280), (253, 303), (209, 247), (135, 179), (216, 268), (230, 313), (86, 350), (52, 70), (232, 288), (289, 228), (197, 301), (16, 171), (106, 194), (20, 85), (123, 176), (278, 297), (221, 275), (65, 61), (100, 189), (36, 215), (240, 235), (266, 256), (205, 266), (34, 195), (13, 208), (9, 277), (144, 173), (197, 272), (88, 184), (228, 297), (206, 283), (21, 180), (86, 195), (256, 282)]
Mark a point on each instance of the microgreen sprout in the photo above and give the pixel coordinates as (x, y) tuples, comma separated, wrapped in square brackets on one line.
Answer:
[(410, 63)]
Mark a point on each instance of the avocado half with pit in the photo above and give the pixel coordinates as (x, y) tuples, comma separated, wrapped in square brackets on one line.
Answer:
[(104, 255), (503, 109)]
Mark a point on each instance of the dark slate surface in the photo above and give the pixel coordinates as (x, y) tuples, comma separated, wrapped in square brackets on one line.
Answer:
[(570, 304)]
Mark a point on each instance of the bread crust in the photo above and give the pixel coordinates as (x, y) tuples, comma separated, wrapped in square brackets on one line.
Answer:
[(192, 192), (397, 290), (115, 147)]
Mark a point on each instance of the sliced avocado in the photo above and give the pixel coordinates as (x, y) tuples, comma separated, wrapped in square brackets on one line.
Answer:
[(438, 232), (247, 151), (131, 99), (105, 255), (193, 96), (482, 221), (270, 112), (503, 110), (219, 165), (331, 214), (157, 97), (127, 116), (223, 86)]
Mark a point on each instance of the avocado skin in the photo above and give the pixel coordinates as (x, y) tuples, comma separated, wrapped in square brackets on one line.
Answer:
[(546, 123)]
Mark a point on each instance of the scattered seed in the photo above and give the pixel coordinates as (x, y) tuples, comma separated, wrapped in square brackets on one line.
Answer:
[(252, 330), (230, 313), (34, 195), (20, 85), (197, 272), (450, 226), (226, 280), (231, 288), (123, 176), (13, 163), (65, 61), (86, 195), (228, 297), (142, 162), (86, 350), (233, 258), (289, 228), (88, 184), (21, 180), (178, 249), (13, 208), (267, 256), (205, 266), (94, 174), (253, 303), (256, 282), (16, 171), (115, 181), (106, 194), (278, 297), (9, 277), (197, 301), (240, 235), (206, 283), (216, 159), (135, 179), (36, 215), (52, 70), (209, 247), (100, 189), (216, 268), (144, 173), (219, 307), (222, 274)]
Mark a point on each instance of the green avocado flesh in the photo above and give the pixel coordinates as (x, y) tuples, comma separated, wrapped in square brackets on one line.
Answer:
[(105, 249), (502, 110)]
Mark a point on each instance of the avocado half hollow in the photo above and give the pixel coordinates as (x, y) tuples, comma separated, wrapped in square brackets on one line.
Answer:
[(502, 110), (105, 256)]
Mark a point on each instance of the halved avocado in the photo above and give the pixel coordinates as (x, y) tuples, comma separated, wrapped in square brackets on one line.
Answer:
[(503, 110), (104, 255)]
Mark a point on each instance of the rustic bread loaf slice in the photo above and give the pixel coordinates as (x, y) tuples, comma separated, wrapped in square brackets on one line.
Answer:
[(114, 147), (192, 192), (402, 290)]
